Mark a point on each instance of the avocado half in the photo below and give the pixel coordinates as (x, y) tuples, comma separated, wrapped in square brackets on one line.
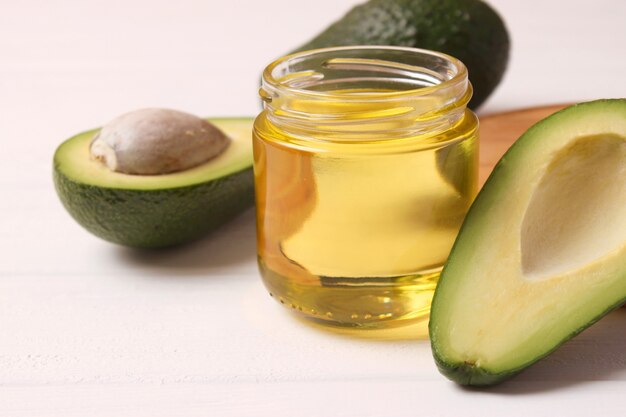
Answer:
[(469, 30), (150, 211), (542, 252)]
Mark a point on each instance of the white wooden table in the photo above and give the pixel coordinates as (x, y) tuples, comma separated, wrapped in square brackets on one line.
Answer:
[(92, 329)]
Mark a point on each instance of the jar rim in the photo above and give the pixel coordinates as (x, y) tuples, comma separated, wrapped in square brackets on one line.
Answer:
[(354, 93), (273, 83)]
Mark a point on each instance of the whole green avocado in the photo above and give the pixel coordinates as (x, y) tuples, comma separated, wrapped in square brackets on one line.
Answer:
[(469, 30)]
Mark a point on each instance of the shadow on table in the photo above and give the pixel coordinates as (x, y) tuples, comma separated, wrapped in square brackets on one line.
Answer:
[(599, 353), (232, 244)]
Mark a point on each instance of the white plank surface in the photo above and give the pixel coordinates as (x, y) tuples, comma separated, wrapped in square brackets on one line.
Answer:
[(92, 329)]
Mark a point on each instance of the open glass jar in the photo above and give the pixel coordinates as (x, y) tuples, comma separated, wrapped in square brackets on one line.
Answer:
[(365, 162)]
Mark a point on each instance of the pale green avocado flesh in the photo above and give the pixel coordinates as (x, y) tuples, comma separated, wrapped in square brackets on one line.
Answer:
[(151, 211), (542, 252)]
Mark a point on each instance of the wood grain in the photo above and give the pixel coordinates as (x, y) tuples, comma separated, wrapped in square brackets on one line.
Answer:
[(498, 132)]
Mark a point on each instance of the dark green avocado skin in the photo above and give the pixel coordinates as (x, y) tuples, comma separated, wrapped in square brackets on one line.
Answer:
[(469, 30), (157, 218), (470, 375)]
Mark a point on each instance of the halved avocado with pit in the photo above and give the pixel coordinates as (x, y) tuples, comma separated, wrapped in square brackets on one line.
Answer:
[(150, 211), (542, 252)]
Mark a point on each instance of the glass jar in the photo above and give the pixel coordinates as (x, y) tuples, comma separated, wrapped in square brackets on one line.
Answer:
[(365, 164)]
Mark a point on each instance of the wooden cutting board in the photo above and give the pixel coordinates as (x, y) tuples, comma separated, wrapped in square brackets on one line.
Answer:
[(498, 131)]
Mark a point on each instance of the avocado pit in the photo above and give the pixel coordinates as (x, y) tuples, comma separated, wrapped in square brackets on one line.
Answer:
[(157, 141)]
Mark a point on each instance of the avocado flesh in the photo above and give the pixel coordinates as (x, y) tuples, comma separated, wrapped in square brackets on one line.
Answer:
[(469, 30), (151, 211), (542, 252)]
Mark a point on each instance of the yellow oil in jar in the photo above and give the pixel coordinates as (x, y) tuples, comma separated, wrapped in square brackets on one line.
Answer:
[(355, 232)]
